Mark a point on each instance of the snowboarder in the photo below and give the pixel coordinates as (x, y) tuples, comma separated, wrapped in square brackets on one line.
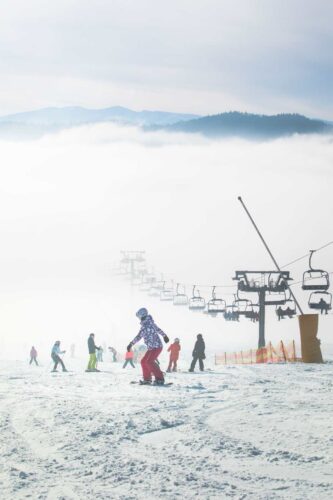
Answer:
[(55, 355), (92, 354), (129, 356), (33, 356), (174, 355), (150, 333), (198, 353)]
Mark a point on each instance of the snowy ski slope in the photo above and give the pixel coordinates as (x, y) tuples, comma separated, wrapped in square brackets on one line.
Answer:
[(262, 432)]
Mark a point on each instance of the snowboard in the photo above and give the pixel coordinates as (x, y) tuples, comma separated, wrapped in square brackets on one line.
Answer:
[(167, 384)]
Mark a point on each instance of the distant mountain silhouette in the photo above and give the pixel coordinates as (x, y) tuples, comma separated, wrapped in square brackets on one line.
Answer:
[(36, 123), (235, 124), (76, 115)]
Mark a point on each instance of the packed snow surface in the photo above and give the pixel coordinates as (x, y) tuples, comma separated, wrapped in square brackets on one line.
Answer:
[(263, 432)]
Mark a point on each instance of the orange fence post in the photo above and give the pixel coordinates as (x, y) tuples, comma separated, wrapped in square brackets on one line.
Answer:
[(294, 351)]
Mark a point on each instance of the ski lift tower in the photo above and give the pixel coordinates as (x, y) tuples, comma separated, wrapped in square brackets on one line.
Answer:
[(131, 258), (271, 288)]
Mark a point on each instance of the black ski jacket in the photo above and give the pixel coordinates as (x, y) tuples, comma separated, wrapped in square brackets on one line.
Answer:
[(91, 345), (199, 349)]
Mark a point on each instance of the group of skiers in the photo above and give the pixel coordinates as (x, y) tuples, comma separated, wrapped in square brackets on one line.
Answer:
[(151, 335)]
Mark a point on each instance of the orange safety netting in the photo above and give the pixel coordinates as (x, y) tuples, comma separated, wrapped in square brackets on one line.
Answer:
[(280, 354)]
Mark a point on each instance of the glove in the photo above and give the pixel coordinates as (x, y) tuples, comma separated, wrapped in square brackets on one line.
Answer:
[(166, 339), (129, 347)]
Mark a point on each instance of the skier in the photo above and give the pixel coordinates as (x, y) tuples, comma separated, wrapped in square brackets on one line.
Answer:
[(150, 333), (33, 356), (129, 356), (114, 354), (100, 355), (56, 358), (174, 355), (92, 354), (198, 353)]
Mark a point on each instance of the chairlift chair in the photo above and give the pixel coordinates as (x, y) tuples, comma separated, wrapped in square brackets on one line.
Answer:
[(231, 313), (277, 282), (253, 313), (166, 294), (196, 302), (146, 283), (139, 257), (180, 298), (288, 309), (154, 291), (243, 305), (136, 279), (315, 279), (156, 288), (321, 301), (216, 305), (275, 298)]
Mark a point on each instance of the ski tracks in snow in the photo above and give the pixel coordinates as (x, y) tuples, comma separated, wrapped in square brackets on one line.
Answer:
[(242, 432)]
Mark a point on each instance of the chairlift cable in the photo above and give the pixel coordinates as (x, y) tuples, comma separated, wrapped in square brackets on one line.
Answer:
[(306, 255)]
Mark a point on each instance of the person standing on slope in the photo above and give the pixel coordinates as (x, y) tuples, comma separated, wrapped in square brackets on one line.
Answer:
[(92, 347), (55, 355), (33, 356), (174, 355), (129, 356), (150, 333), (198, 353)]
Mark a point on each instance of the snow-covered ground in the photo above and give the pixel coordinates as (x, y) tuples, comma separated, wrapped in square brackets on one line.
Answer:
[(262, 432)]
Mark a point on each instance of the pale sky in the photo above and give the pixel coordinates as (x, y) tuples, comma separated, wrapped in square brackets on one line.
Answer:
[(201, 56)]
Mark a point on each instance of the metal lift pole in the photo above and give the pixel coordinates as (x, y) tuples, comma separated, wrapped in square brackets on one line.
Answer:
[(268, 250), (262, 340)]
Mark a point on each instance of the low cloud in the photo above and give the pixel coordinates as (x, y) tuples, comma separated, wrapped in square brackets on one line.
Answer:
[(69, 202)]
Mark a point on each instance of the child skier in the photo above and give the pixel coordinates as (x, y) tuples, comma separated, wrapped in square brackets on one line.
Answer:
[(33, 356), (129, 356), (150, 333), (92, 347), (174, 355), (56, 358)]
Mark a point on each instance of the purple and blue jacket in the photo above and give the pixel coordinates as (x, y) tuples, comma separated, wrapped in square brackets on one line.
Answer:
[(149, 332)]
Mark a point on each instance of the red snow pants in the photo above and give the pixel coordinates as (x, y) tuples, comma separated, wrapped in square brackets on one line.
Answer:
[(149, 365)]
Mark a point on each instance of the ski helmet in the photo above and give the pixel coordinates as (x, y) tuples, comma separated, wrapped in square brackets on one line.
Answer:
[(176, 339), (142, 313)]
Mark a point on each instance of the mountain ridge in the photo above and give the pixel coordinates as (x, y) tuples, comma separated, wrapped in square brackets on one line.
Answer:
[(35, 123)]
